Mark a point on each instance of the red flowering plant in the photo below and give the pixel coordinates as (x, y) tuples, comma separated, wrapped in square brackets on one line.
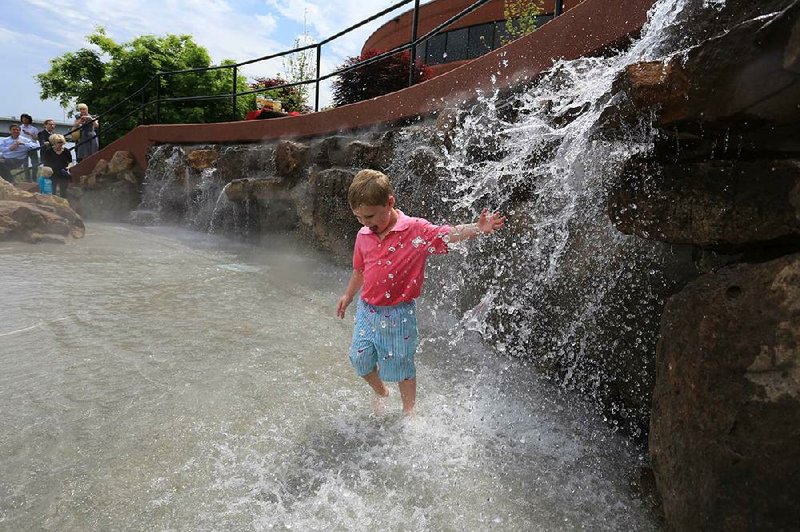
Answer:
[(376, 79)]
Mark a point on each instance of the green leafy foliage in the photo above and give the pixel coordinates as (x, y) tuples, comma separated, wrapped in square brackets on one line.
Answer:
[(106, 72), (376, 79), (298, 67), (291, 98), (520, 17)]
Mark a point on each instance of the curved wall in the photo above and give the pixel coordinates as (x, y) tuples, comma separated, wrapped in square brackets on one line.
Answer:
[(587, 29), (397, 31)]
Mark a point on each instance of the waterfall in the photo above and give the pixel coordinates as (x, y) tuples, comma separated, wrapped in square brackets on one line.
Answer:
[(560, 286)]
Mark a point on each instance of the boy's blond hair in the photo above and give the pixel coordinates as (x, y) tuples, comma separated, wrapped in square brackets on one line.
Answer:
[(369, 187), (46, 171)]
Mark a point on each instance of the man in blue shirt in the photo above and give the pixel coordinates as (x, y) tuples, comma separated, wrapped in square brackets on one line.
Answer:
[(14, 152)]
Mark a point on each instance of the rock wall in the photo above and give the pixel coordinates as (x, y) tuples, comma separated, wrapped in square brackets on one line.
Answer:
[(724, 178), (110, 191)]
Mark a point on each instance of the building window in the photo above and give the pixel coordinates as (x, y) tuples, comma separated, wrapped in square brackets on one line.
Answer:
[(435, 52), (467, 43), (481, 40), (457, 44)]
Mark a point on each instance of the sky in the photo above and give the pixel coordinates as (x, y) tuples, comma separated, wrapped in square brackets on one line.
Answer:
[(32, 32)]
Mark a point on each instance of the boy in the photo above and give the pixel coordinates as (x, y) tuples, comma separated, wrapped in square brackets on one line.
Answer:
[(389, 261)]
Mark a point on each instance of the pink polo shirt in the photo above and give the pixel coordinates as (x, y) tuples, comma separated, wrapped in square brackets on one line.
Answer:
[(394, 269)]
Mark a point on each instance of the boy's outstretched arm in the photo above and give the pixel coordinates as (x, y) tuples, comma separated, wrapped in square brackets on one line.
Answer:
[(356, 280), (487, 223)]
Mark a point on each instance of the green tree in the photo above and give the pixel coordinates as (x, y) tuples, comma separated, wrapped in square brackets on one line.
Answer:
[(106, 72), (520, 18), (297, 67)]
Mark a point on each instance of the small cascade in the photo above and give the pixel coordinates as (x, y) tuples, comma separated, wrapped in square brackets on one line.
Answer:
[(205, 199), (181, 193), (222, 204)]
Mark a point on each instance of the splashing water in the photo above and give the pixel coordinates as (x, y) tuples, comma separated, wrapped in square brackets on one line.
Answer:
[(560, 286)]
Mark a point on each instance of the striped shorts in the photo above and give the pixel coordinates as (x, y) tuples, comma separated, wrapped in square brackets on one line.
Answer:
[(386, 338)]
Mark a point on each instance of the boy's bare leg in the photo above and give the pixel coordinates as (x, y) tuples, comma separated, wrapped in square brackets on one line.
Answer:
[(376, 383), (408, 392), (381, 391)]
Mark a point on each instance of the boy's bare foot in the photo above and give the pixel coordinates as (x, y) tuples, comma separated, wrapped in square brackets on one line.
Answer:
[(379, 403)]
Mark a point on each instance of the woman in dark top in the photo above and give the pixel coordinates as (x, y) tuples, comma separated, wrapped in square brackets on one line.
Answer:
[(58, 159)]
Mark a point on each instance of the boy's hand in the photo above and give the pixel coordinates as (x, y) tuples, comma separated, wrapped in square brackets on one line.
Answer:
[(342, 305), (489, 223)]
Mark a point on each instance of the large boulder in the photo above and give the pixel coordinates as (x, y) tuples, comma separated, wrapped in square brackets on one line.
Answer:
[(723, 206), (725, 426), (36, 217)]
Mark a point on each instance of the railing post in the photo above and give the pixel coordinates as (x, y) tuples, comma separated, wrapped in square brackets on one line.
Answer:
[(559, 8), (316, 90), (158, 98), (414, 26), (142, 120), (235, 79)]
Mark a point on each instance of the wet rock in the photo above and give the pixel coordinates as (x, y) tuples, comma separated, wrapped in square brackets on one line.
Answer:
[(36, 217), (728, 207), (290, 158), (245, 161), (748, 71), (121, 161), (423, 161), (658, 85), (330, 151), (725, 424), (446, 122), (332, 221), (255, 189), (360, 154), (202, 159)]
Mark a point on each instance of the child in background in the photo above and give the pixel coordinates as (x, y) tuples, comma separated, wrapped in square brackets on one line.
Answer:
[(389, 266), (45, 183)]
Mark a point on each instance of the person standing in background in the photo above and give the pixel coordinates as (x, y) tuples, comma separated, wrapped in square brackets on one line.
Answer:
[(88, 143), (30, 132), (44, 135), (14, 151)]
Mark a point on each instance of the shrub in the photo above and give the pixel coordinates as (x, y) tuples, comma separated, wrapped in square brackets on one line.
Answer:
[(376, 79), (291, 98)]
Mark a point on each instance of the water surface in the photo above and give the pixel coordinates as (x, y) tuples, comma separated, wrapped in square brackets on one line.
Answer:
[(160, 379)]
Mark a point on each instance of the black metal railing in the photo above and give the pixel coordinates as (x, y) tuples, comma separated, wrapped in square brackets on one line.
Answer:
[(144, 104)]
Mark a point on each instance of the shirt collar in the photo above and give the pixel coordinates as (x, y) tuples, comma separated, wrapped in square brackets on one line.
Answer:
[(401, 224)]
